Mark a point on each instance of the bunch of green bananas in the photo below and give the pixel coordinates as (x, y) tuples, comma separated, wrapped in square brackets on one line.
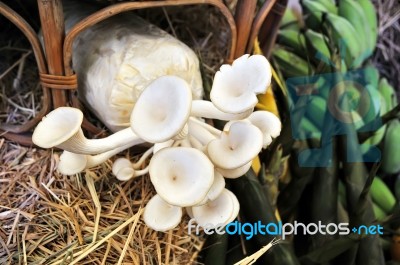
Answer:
[(339, 36), (348, 29)]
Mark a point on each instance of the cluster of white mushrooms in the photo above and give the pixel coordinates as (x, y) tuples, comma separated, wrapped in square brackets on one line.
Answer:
[(190, 158)]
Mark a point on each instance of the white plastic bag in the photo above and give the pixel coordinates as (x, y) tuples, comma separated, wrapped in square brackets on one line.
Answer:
[(117, 58)]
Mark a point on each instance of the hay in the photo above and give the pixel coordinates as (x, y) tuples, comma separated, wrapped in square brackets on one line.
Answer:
[(89, 218), (387, 54)]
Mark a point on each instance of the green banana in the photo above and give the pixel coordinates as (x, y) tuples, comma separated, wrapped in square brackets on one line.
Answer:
[(290, 64), (309, 129), (313, 11), (316, 111), (381, 195), (391, 147), (345, 38), (289, 20), (388, 93), (372, 22), (370, 105), (323, 87), (371, 75), (379, 213), (293, 40), (329, 5), (317, 46), (354, 13), (380, 133)]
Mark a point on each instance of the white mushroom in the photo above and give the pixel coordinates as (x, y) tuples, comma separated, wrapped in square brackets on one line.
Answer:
[(161, 216), (235, 87), (182, 176), (217, 187), (201, 133), (236, 147), (236, 172), (236, 207), (62, 128), (162, 109), (189, 212), (206, 109), (123, 170), (217, 212), (268, 123), (159, 146), (72, 163)]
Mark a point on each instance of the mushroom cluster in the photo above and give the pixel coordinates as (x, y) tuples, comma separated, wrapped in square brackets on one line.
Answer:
[(190, 158)]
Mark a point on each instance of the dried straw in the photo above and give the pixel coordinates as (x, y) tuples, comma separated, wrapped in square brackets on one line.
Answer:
[(387, 55), (89, 218)]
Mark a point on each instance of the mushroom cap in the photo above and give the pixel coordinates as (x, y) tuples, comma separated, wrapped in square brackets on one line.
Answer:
[(236, 207), (268, 123), (217, 187), (236, 172), (235, 147), (235, 87), (57, 126), (122, 169), (125, 174), (120, 163), (182, 176), (71, 163), (189, 212), (162, 109), (161, 216), (216, 212)]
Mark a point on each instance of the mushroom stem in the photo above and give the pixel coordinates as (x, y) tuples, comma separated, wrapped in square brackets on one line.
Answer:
[(212, 129), (72, 163), (183, 133), (185, 143), (62, 128), (206, 109), (195, 143), (81, 145), (200, 133), (159, 146), (143, 158), (141, 172)]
